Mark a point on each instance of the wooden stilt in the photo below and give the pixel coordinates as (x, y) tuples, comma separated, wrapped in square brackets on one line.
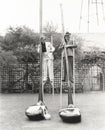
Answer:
[(70, 114), (74, 99), (53, 67), (70, 100), (40, 98), (61, 82)]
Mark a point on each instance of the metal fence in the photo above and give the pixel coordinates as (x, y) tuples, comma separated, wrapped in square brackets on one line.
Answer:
[(25, 77)]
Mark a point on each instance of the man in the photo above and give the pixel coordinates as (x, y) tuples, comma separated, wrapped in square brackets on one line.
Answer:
[(69, 49), (47, 60)]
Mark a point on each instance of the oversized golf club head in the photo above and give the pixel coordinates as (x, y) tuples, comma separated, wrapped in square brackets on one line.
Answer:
[(37, 112), (70, 114)]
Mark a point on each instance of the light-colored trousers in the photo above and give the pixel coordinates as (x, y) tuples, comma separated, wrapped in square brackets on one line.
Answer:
[(47, 67)]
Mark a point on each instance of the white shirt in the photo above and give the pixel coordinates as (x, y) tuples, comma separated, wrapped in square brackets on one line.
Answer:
[(49, 51)]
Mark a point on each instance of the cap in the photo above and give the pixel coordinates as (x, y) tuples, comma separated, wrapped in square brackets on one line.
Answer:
[(43, 37), (67, 34)]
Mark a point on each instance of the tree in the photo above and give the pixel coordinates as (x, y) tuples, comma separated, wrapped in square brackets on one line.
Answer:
[(21, 41), (7, 63), (93, 55), (50, 29), (7, 58), (79, 50)]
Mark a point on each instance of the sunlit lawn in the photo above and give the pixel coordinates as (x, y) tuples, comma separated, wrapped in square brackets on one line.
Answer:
[(12, 112)]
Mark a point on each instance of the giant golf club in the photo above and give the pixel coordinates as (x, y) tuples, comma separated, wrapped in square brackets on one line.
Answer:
[(39, 111), (70, 114)]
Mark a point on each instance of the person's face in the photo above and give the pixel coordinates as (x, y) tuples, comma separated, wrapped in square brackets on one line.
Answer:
[(67, 37)]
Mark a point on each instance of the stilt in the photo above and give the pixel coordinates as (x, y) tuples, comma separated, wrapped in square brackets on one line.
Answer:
[(52, 83), (39, 111), (70, 100), (61, 82), (69, 114), (74, 98), (40, 98)]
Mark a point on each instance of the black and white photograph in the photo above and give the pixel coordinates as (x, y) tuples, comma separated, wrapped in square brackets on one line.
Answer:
[(52, 65)]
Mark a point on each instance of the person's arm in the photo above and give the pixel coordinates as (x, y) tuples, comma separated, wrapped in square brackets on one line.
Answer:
[(61, 46), (39, 47), (71, 46), (52, 48)]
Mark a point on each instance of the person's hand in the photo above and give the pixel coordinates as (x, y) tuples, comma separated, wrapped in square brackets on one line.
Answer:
[(71, 46)]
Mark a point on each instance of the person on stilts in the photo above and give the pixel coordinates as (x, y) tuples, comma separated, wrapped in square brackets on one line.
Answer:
[(69, 114), (69, 49), (39, 111), (68, 42), (47, 61)]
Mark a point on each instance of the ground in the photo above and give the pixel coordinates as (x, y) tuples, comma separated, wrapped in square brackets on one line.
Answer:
[(12, 112)]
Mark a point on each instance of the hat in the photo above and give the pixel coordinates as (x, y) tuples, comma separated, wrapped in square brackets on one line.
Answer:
[(43, 37), (67, 34)]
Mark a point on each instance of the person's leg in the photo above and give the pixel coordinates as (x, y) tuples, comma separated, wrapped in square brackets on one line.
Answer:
[(70, 62), (65, 70), (44, 72), (51, 70), (51, 73)]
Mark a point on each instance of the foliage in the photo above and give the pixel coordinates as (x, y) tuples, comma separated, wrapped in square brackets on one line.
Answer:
[(50, 29), (7, 58), (21, 41), (93, 56), (21, 44), (7, 62), (18, 44)]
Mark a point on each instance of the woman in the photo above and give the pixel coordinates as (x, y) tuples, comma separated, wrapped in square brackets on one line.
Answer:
[(47, 60)]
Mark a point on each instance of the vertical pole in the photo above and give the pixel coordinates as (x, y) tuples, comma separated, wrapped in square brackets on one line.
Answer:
[(62, 20), (88, 14), (103, 81), (70, 100), (40, 98), (98, 72), (80, 14), (74, 74), (61, 82), (53, 67), (40, 17), (103, 76), (97, 12), (103, 10), (92, 77)]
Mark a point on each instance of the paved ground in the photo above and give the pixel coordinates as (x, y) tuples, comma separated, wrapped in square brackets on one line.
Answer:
[(12, 108)]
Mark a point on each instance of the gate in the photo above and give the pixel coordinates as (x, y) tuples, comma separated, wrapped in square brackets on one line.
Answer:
[(91, 74)]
